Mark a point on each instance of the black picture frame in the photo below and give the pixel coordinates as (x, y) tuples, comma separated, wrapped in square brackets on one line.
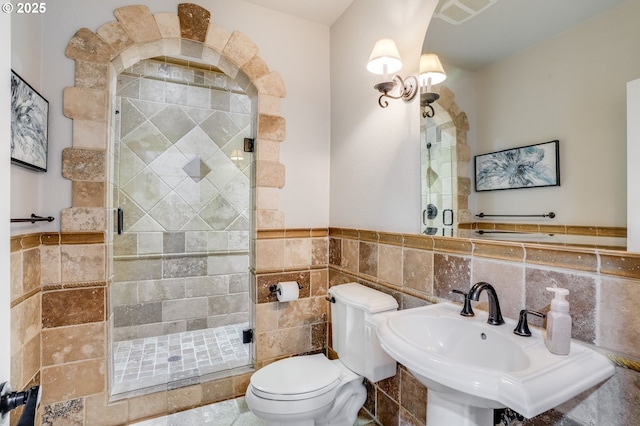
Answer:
[(530, 166), (29, 125)]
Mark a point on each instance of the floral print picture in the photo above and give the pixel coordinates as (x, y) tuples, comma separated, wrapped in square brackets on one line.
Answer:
[(525, 167), (29, 114)]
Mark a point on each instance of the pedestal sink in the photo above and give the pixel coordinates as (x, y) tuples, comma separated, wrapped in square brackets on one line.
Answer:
[(471, 367)]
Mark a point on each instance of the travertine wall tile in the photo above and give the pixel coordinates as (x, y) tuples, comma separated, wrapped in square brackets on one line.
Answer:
[(83, 103), (84, 164), (144, 406), (271, 127), (72, 307), (582, 298), (168, 24), (269, 254), (89, 134), (87, 46), (138, 22), (417, 271), (350, 255), (271, 84), (194, 21), (297, 252), (62, 345), (217, 37), (88, 194), (283, 342), (240, 49), (506, 278), (269, 104), (390, 263), (114, 33), (255, 68), (100, 411), (68, 381), (83, 219), (92, 75), (270, 174), (450, 272), (267, 150), (619, 300), (83, 263)]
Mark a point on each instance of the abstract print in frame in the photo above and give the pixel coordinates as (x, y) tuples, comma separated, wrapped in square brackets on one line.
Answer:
[(524, 167), (29, 122)]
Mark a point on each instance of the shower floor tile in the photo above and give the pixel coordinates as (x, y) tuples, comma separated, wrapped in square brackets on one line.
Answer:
[(152, 361)]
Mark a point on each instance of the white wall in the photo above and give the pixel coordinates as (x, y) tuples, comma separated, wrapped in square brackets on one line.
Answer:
[(633, 171), (5, 188), (375, 152), (26, 60), (585, 70), (297, 49)]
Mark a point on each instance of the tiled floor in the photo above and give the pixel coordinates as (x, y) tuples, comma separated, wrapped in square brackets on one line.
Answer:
[(143, 363), (233, 412)]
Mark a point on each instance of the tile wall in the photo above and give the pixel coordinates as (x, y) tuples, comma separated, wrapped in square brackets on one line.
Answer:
[(604, 286), (181, 263)]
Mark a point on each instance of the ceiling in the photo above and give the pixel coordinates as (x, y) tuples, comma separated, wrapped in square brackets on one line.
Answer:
[(324, 12), (506, 27)]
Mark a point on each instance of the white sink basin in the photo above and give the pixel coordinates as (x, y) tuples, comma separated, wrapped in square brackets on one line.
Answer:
[(471, 363)]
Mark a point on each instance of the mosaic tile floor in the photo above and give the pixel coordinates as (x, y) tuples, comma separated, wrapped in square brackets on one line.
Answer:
[(233, 412), (143, 363)]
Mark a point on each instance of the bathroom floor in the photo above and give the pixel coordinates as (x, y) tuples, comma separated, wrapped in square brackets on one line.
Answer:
[(143, 363), (233, 412)]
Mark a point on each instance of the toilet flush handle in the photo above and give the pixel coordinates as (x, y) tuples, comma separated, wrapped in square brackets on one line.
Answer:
[(330, 299)]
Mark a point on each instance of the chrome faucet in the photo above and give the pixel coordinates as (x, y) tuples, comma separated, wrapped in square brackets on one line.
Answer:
[(495, 316)]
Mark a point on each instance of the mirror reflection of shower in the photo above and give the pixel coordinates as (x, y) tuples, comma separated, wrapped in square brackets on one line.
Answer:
[(438, 174)]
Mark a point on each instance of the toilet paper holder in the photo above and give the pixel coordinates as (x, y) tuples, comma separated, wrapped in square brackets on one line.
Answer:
[(274, 288)]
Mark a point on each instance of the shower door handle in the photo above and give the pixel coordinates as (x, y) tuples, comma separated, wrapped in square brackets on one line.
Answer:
[(120, 220), (447, 214)]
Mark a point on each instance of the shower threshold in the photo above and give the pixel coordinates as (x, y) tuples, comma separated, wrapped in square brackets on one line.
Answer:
[(177, 359)]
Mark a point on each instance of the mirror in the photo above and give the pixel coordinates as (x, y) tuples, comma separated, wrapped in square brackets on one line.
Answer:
[(526, 73)]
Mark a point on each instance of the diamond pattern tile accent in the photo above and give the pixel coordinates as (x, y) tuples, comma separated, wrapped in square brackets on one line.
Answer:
[(172, 212), (196, 169), (130, 117), (220, 128), (196, 194), (219, 213), (196, 142), (146, 189), (173, 122), (147, 142), (167, 167)]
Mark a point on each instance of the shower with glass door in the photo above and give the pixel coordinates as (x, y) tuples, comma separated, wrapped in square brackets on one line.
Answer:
[(179, 300)]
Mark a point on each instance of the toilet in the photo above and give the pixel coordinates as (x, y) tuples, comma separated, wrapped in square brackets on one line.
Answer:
[(312, 390)]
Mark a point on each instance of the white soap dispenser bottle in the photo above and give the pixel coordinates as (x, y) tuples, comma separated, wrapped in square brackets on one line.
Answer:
[(558, 337)]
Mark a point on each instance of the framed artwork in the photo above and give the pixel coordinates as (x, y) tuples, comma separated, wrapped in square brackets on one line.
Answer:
[(29, 125), (529, 166)]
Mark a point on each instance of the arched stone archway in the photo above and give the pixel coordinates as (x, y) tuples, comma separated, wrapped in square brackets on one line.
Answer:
[(137, 34), (99, 57)]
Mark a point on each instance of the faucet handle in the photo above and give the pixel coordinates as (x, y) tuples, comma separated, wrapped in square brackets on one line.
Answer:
[(466, 311), (522, 329)]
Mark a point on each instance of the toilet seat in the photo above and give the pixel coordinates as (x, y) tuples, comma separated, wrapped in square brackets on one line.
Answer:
[(296, 378)]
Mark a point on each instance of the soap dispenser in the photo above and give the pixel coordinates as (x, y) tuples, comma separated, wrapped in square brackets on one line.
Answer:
[(558, 337)]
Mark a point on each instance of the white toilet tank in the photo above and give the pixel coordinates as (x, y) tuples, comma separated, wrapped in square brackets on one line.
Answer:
[(354, 339)]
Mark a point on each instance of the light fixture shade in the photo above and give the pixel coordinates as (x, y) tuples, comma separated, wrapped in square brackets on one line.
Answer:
[(384, 53), (236, 155), (430, 67)]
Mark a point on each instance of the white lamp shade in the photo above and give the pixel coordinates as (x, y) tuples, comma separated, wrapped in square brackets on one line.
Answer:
[(431, 68), (384, 53), (236, 155)]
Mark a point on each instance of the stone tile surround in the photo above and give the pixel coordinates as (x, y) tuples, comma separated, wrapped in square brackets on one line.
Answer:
[(99, 56), (137, 34), (604, 290)]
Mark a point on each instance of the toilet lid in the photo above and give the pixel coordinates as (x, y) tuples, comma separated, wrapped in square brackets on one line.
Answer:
[(298, 376)]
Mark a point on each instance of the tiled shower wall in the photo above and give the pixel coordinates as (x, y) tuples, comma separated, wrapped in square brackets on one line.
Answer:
[(604, 294), (182, 180)]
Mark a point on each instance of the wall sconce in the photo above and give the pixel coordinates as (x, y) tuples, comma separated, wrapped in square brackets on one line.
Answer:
[(385, 60), (431, 73)]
